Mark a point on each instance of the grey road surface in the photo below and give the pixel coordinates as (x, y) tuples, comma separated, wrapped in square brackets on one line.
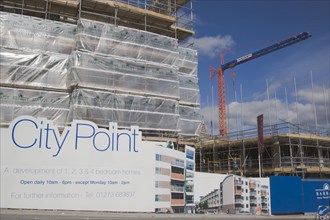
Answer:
[(11, 214)]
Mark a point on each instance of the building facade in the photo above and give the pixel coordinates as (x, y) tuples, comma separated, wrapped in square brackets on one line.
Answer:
[(174, 184), (239, 195)]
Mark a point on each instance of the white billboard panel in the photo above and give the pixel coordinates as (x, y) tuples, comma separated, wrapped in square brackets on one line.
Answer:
[(81, 168)]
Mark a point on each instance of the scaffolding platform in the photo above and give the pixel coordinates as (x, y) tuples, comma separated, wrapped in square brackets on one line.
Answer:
[(288, 150), (161, 17)]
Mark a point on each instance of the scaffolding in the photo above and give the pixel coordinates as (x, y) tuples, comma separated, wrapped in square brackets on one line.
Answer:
[(173, 18), (60, 65), (289, 150)]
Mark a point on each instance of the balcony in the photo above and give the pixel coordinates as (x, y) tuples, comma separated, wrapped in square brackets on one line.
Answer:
[(253, 185), (253, 194), (177, 176), (238, 183), (190, 201), (253, 205), (238, 192), (239, 201), (253, 201), (264, 200), (189, 188), (177, 163), (177, 188), (263, 193), (239, 205), (177, 202)]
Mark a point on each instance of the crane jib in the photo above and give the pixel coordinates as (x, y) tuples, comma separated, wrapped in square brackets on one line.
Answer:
[(274, 47)]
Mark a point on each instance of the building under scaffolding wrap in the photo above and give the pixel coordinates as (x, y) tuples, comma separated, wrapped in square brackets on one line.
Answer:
[(289, 150), (102, 61)]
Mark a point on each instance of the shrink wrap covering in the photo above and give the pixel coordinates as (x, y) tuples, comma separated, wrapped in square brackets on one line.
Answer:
[(112, 73), (146, 112), (187, 61), (25, 32), (37, 103), (33, 68), (189, 90), (109, 39), (190, 120)]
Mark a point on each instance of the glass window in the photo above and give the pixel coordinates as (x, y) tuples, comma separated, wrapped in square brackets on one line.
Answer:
[(190, 175), (157, 198), (190, 165), (247, 205), (190, 154), (158, 157), (157, 184), (158, 170)]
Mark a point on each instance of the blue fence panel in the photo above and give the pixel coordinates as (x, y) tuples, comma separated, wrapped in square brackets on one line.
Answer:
[(316, 193), (286, 194)]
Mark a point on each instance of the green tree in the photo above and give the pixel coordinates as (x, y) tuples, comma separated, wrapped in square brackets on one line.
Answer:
[(204, 205)]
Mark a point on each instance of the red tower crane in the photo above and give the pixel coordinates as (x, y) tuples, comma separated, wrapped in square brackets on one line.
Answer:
[(219, 72)]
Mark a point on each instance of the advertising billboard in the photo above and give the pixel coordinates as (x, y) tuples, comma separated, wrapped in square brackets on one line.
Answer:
[(316, 193), (81, 167)]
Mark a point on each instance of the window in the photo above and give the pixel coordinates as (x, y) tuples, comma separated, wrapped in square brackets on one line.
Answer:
[(246, 183), (157, 198), (246, 190), (247, 198), (190, 165), (157, 184), (247, 206), (158, 157), (190, 154), (190, 175), (158, 170)]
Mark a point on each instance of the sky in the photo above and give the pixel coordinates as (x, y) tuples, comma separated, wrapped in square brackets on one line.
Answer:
[(241, 27)]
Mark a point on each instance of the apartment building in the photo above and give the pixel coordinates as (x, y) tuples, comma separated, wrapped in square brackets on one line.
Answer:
[(174, 185), (239, 195)]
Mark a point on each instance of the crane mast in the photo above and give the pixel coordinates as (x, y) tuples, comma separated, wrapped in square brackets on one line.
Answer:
[(223, 66)]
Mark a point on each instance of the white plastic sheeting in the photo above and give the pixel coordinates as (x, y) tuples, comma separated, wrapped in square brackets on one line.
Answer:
[(187, 61), (51, 105), (109, 39), (146, 112), (190, 120), (33, 68), (132, 76), (189, 90), (151, 73), (25, 32)]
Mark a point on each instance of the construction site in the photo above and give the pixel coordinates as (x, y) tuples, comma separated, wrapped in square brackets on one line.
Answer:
[(289, 150), (97, 60), (126, 61)]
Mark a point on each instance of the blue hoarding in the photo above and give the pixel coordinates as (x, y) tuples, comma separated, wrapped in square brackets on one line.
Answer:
[(316, 192), (303, 195), (286, 195)]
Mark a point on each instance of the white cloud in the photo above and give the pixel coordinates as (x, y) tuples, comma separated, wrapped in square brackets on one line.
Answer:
[(211, 46), (320, 94), (273, 85), (242, 116)]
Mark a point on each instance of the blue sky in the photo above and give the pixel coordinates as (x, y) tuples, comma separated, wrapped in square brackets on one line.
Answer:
[(251, 25)]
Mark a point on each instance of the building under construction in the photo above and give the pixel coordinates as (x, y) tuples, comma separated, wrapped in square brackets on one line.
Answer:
[(288, 150), (101, 60), (120, 61)]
